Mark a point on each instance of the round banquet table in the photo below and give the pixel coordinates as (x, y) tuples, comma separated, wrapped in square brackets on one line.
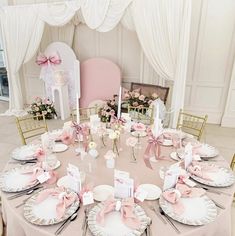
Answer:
[(18, 226)]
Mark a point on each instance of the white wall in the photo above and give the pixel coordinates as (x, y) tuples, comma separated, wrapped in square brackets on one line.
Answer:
[(211, 56)]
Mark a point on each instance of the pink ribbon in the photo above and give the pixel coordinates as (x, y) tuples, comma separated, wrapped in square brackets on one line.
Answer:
[(43, 60), (153, 147), (127, 212), (120, 121), (65, 199)]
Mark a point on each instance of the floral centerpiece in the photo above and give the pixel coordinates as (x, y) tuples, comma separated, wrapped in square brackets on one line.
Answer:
[(136, 99), (109, 109), (43, 107)]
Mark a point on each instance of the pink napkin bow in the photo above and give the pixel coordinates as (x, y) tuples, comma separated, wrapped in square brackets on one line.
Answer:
[(67, 138), (127, 212), (65, 199), (181, 191), (201, 170)]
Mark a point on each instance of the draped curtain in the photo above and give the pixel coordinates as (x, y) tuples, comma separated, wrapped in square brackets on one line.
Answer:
[(162, 27)]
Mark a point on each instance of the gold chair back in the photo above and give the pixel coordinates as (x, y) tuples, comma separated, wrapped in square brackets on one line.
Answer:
[(141, 114), (232, 164), (84, 113), (31, 126), (191, 124)]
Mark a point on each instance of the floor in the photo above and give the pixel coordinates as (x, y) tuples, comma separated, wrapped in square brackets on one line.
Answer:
[(222, 138)]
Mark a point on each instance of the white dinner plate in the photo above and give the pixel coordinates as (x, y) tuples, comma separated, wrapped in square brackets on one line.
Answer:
[(60, 147), (113, 224), (140, 133), (197, 210), (25, 153), (153, 191), (44, 213), (102, 192), (15, 180), (207, 150)]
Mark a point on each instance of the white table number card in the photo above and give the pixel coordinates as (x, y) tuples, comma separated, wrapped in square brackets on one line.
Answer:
[(188, 158), (74, 178), (123, 185)]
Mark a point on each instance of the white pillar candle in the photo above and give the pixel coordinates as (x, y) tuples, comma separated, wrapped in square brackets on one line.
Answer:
[(119, 103)]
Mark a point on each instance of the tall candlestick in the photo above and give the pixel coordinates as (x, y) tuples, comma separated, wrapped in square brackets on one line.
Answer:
[(77, 105), (119, 103)]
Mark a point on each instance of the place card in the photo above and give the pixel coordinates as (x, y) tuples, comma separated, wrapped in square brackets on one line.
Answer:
[(43, 177), (188, 157), (74, 178), (87, 198), (170, 179)]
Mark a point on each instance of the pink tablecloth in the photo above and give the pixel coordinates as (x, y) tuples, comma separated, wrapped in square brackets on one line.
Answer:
[(18, 226)]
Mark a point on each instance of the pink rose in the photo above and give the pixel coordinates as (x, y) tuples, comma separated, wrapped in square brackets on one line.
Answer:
[(135, 104), (131, 141), (141, 97), (112, 112), (150, 101), (139, 127), (136, 95), (126, 96)]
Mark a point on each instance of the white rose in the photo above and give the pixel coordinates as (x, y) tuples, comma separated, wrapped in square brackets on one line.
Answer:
[(112, 135)]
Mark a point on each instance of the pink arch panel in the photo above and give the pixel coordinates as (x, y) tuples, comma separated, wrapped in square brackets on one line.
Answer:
[(100, 79)]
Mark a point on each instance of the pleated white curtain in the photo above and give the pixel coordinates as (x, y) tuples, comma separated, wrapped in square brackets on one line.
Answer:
[(22, 31)]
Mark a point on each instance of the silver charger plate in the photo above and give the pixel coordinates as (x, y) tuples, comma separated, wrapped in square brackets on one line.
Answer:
[(198, 210), (13, 180), (29, 212), (118, 228), (25, 153), (223, 177)]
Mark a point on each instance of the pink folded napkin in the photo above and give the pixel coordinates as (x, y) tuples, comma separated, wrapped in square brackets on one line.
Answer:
[(85, 189), (127, 212), (65, 199), (37, 170), (201, 169), (189, 192), (181, 191)]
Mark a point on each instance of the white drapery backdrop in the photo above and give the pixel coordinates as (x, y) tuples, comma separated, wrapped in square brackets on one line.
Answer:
[(162, 27)]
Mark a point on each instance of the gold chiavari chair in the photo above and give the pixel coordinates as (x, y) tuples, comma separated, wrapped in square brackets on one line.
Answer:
[(84, 113), (232, 164), (191, 124), (31, 126), (141, 114)]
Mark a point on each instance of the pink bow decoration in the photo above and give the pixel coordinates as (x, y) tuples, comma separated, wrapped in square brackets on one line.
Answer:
[(43, 60), (153, 147), (40, 154), (127, 212), (189, 192), (65, 199), (201, 170), (36, 171), (120, 121)]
